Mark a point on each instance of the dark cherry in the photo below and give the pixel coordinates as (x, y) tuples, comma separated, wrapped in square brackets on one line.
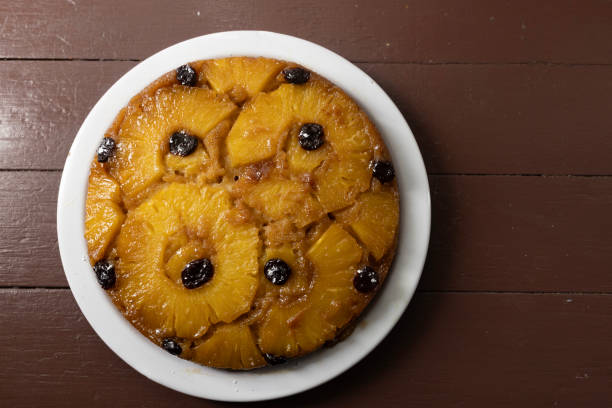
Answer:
[(171, 346), (277, 271), (274, 360), (106, 149), (196, 273), (182, 143), (186, 75), (296, 75), (311, 136), (383, 171), (105, 273), (365, 280)]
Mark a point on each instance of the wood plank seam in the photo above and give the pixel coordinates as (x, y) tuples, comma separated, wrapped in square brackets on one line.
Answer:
[(432, 63), (421, 291)]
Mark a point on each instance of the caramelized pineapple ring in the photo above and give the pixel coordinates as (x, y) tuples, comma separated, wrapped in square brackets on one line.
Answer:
[(377, 220), (262, 125), (146, 129), (340, 165), (103, 213), (240, 77), (230, 346), (146, 281), (307, 324)]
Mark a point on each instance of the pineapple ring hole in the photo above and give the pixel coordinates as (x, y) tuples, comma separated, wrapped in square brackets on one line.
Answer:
[(181, 250)]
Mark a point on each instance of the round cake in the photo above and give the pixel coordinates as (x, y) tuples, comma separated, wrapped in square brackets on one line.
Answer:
[(241, 212)]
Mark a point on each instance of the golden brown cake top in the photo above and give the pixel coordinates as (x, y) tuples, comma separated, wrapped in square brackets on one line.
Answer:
[(241, 211)]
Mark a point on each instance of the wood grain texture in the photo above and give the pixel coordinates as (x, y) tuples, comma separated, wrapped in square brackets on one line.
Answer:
[(397, 31), (497, 119), (488, 87), (467, 118), (43, 106), (520, 233), (506, 351), (490, 233), (28, 239)]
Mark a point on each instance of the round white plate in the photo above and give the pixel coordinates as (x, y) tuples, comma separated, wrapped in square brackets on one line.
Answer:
[(298, 375)]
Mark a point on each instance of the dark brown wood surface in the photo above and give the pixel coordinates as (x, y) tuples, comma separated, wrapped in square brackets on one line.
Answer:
[(480, 31), (467, 118), (510, 104), (449, 349)]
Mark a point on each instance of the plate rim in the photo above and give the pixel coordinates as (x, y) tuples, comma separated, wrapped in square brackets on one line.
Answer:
[(312, 370)]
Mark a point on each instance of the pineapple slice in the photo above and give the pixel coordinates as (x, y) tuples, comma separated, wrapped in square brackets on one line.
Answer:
[(339, 181), (377, 221), (277, 198), (103, 213), (331, 304), (155, 299), (335, 302), (237, 265), (304, 161), (259, 131), (348, 129), (239, 76), (188, 166), (101, 185), (299, 280), (230, 346), (262, 126), (276, 333), (335, 251), (102, 223), (144, 133)]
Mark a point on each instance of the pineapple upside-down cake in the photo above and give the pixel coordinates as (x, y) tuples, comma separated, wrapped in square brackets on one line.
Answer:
[(241, 212)]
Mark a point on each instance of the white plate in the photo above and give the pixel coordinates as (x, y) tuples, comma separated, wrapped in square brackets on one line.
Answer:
[(298, 375)]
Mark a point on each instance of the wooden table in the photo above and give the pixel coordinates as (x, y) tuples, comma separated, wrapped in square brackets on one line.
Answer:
[(511, 104)]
